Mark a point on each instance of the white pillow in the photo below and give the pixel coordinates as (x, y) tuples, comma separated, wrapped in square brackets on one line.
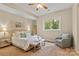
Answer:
[(21, 34), (36, 38), (65, 36)]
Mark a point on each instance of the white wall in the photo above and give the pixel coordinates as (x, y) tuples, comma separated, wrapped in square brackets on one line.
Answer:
[(10, 19), (75, 24), (78, 27), (66, 20)]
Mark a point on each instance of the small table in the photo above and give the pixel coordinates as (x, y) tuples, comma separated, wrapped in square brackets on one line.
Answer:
[(38, 44)]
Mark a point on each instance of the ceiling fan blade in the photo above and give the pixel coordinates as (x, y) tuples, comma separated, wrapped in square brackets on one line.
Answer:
[(31, 4), (44, 6), (36, 9)]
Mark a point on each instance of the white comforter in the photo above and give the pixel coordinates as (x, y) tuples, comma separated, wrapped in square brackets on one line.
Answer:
[(25, 42)]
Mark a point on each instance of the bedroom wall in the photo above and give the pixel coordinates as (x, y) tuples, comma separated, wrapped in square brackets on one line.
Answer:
[(66, 20), (10, 19), (76, 26)]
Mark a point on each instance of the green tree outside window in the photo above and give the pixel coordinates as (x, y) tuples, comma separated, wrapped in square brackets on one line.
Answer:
[(52, 24)]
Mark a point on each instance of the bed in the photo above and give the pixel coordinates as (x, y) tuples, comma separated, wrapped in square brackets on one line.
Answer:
[(25, 40)]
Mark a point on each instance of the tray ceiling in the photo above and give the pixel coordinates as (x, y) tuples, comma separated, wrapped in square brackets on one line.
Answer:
[(31, 10)]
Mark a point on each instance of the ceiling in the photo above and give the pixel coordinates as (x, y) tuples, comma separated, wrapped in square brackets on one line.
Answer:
[(51, 6), (26, 11)]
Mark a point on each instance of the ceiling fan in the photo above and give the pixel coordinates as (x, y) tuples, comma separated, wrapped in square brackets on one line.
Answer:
[(39, 6)]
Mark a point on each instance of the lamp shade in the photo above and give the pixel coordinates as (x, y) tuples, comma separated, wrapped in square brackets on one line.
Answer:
[(28, 28), (4, 29)]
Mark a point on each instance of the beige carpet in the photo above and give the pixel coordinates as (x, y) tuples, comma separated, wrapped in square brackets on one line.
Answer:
[(50, 49)]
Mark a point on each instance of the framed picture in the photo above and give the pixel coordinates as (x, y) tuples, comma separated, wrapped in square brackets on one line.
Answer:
[(52, 24)]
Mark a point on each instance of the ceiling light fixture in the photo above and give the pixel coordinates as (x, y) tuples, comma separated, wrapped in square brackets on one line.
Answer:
[(40, 6)]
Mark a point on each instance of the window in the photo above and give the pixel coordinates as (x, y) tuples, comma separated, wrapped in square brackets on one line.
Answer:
[(53, 24)]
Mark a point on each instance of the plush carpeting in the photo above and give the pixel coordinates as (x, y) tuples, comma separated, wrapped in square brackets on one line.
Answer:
[(50, 49)]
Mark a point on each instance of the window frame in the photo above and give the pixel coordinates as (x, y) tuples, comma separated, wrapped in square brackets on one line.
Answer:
[(58, 18)]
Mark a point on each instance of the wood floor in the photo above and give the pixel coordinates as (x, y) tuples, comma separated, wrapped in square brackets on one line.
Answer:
[(50, 49)]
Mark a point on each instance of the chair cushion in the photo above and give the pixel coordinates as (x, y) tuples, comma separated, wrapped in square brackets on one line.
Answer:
[(65, 36)]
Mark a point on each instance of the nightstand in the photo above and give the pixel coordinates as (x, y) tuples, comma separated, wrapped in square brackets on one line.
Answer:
[(4, 43)]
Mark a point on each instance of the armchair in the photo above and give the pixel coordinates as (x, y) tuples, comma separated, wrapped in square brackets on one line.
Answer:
[(64, 41)]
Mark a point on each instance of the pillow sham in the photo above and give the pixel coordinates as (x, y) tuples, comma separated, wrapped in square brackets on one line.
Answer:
[(23, 35)]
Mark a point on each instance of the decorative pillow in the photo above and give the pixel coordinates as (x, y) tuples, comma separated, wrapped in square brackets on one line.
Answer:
[(36, 38), (23, 35)]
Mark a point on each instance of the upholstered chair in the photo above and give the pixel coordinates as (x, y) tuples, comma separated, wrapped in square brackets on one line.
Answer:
[(64, 41)]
